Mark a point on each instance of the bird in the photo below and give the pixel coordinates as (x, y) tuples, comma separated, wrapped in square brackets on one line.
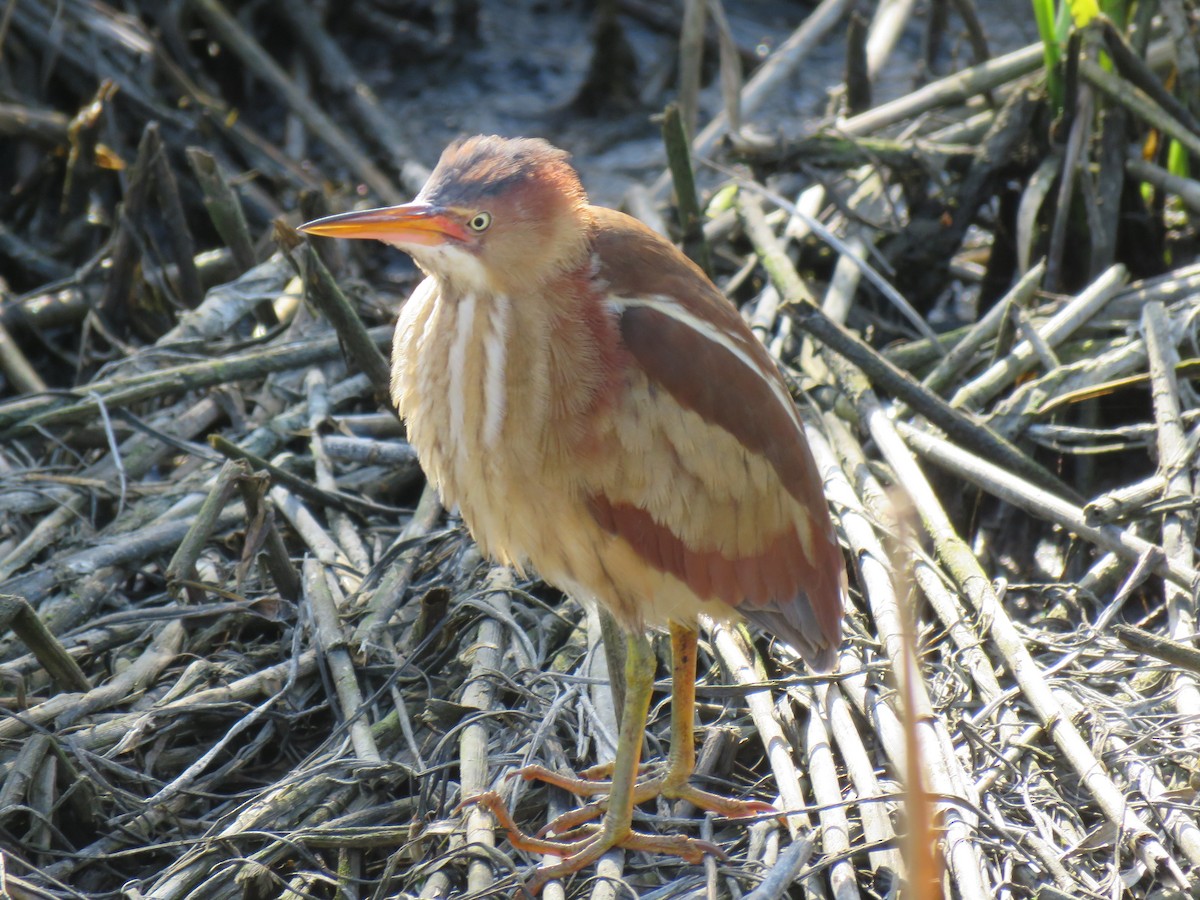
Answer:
[(599, 412)]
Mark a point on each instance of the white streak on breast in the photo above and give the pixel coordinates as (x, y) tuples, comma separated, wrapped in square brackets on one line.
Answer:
[(412, 330), (495, 358), (464, 324)]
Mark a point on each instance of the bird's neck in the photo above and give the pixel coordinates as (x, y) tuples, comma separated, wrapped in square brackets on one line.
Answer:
[(560, 341), (513, 378)]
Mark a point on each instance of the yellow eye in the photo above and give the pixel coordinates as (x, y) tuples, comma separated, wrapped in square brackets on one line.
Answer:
[(480, 221)]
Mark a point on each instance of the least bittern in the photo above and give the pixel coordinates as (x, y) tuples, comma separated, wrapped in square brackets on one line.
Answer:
[(596, 408)]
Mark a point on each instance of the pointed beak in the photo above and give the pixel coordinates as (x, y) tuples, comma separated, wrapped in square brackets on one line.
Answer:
[(412, 223)]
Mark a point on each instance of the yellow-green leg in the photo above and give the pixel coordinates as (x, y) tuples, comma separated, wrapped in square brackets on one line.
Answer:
[(681, 760), (624, 791), (674, 783)]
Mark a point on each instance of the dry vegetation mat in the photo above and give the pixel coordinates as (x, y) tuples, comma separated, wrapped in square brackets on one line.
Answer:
[(245, 651)]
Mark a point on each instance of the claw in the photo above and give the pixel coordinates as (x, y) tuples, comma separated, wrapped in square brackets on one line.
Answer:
[(580, 837), (594, 843)]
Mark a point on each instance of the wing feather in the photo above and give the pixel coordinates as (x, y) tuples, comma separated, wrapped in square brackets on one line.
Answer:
[(706, 474)]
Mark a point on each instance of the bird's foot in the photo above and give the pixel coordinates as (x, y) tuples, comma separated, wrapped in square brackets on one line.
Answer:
[(589, 843), (590, 783)]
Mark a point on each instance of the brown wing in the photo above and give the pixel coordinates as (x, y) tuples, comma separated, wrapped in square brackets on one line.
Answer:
[(708, 476)]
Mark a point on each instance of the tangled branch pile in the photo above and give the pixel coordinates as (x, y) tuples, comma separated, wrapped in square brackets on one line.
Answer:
[(248, 654)]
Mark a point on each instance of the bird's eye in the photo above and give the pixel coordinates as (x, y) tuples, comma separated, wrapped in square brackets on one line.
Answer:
[(480, 221)]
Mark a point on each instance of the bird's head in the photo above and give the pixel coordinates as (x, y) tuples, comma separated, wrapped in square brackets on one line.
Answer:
[(496, 214)]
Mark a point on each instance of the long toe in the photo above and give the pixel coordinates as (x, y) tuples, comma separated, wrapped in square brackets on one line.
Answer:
[(591, 849), (644, 790), (728, 807), (579, 785), (586, 842), (572, 819)]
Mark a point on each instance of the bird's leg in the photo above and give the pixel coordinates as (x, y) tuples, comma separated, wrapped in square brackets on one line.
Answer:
[(624, 791), (675, 783), (593, 781), (681, 760)]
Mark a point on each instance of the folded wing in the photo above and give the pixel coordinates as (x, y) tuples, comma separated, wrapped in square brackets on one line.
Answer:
[(713, 482)]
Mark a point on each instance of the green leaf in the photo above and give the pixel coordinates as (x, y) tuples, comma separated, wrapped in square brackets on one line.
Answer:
[(1083, 11), (1043, 14)]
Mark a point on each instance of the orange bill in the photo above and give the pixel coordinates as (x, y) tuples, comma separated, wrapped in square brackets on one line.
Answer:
[(412, 223)]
